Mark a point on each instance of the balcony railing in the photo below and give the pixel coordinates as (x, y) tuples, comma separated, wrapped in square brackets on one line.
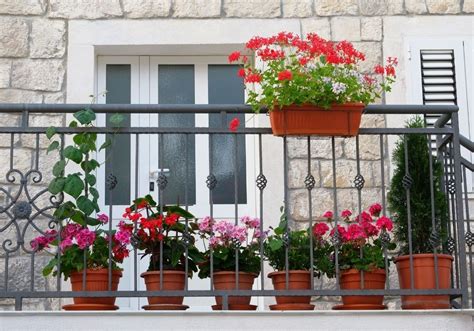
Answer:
[(26, 207)]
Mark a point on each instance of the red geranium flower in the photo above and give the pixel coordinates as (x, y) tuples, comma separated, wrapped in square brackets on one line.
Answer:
[(234, 57), (234, 124), (285, 75)]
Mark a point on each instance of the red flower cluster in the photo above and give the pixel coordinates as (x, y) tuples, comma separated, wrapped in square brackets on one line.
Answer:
[(234, 124), (285, 75)]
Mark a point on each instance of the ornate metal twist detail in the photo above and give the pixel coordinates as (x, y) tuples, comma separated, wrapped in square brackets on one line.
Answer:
[(452, 186), (22, 210), (111, 181), (384, 238), (407, 182), (211, 181), (187, 238), (434, 239), (336, 238), (162, 181), (135, 241), (261, 182), (309, 182), (359, 182), (469, 238), (286, 239), (450, 245)]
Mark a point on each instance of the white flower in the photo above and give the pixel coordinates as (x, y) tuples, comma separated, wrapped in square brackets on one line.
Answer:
[(338, 87)]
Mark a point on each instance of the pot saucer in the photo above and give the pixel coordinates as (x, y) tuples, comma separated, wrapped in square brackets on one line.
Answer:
[(292, 306), (89, 306), (360, 307), (236, 307), (165, 307)]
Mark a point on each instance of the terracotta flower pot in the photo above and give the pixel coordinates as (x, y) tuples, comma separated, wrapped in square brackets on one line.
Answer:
[(297, 280), (338, 120), (424, 278), (225, 280), (172, 280), (96, 280), (373, 280)]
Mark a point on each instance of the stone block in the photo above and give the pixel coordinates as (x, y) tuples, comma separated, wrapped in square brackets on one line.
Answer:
[(23, 7), (5, 70), (19, 96), (196, 8), (252, 8), (321, 147), (443, 7), (44, 75), (298, 170), (88, 9), (336, 7), (297, 8), (371, 28), (369, 147), (146, 8), (56, 97), (318, 25), (373, 54), (345, 28), (381, 7), (13, 37), (417, 7), (48, 38), (468, 6)]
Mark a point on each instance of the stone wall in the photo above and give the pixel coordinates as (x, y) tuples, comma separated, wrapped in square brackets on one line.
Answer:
[(33, 58)]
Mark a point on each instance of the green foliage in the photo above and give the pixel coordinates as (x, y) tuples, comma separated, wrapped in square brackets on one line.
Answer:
[(364, 257), (420, 194), (298, 251)]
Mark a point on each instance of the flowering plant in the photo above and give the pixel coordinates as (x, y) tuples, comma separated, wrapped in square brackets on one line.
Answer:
[(75, 216), (164, 233), (298, 244), (362, 239), (76, 241), (310, 70), (226, 240)]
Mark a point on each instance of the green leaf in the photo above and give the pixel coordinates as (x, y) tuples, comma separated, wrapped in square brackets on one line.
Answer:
[(90, 165), (50, 132), (116, 119), (85, 205), (73, 124), (107, 143), (73, 154), (57, 185), (90, 179), (54, 145), (92, 221), (78, 217), (58, 168), (78, 138), (73, 185), (85, 116), (275, 244), (178, 210), (94, 193)]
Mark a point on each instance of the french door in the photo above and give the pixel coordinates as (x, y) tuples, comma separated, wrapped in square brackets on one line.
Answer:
[(136, 161)]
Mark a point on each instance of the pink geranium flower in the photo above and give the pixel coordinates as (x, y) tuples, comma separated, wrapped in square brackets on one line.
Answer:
[(384, 223)]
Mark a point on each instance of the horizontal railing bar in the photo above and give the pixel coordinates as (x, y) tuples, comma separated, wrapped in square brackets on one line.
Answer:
[(201, 108), (209, 293), (465, 142), (467, 164), (205, 130)]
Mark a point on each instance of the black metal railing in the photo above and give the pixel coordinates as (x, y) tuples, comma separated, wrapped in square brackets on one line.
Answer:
[(26, 207)]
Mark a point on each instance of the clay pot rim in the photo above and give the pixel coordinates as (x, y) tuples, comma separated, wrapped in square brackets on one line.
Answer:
[(306, 106), (422, 256), (355, 271), (98, 271), (158, 272), (275, 273), (233, 273)]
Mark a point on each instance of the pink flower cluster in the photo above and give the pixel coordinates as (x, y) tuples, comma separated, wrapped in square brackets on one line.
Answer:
[(42, 242), (226, 233), (73, 233), (367, 225)]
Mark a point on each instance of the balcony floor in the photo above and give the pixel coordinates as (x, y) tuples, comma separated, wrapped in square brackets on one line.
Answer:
[(458, 320)]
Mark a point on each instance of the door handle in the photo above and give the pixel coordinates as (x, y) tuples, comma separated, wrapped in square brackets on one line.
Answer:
[(154, 177)]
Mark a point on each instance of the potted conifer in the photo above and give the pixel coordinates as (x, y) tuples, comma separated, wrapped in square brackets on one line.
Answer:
[(413, 175)]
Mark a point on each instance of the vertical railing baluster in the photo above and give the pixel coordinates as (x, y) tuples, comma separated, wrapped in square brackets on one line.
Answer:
[(459, 211), (469, 234), (186, 221), (286, 211), (384, 209), (58, 264), (236, 206), (336, 236), (211, 184), (135, 224), (434, 234), (261, 184), (161, 187), (407, 183), (359, 183), (310, 182), (112, 181)]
